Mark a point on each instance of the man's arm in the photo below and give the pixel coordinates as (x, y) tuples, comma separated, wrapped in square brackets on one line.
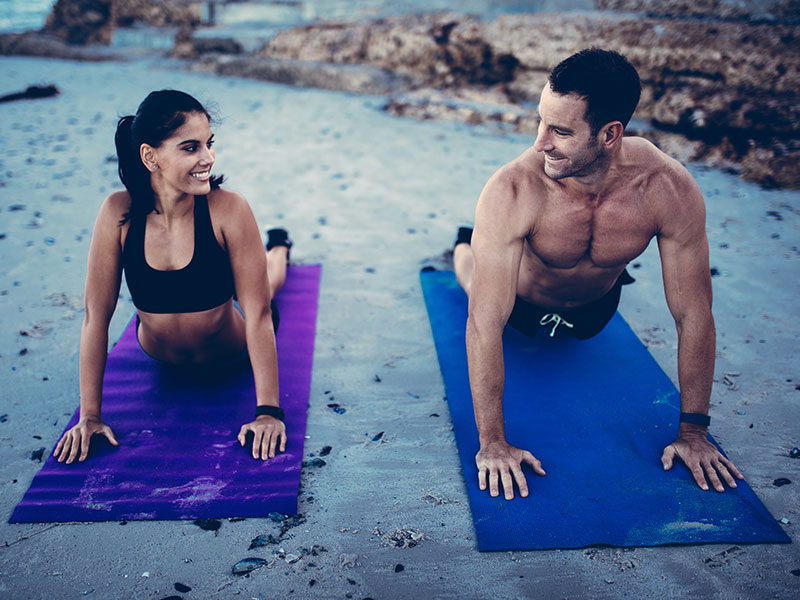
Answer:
[(683, 247), (497, 249)]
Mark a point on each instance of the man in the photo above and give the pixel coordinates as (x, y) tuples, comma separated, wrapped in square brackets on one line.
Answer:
[(554, 231)]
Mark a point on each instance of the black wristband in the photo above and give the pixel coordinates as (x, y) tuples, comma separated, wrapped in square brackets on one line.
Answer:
[(270, 411), (696, 419)]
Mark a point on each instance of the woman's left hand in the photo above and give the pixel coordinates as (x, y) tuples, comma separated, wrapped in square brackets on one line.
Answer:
[(267, 433)]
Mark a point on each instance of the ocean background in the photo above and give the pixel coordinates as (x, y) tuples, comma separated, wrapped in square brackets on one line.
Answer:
[(22, 15), (246, 17)]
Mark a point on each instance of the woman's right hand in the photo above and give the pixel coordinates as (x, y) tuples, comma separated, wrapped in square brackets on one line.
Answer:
[(77, 438)]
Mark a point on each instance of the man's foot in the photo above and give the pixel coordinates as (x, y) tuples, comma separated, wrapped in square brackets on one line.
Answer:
[(464, 236), (463, 260), (278, 236)]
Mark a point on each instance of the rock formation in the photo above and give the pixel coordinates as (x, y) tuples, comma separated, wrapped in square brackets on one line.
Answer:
[(748, 10), (438, 50), (158, 13), (81, 21), (734, 86)]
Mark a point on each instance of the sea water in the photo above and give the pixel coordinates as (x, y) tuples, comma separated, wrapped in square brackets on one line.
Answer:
[(275, 15), (21, 15), (300, 12)]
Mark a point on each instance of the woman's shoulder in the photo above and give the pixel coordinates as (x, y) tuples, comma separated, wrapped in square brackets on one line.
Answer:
[(227, 205), (117, 201), (221, 195), (115, 206)]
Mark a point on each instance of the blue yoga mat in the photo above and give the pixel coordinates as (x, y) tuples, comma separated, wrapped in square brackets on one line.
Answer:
[(598, 414)]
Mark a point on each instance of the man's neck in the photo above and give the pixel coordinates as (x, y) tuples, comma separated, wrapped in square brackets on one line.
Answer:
[(597, 183)]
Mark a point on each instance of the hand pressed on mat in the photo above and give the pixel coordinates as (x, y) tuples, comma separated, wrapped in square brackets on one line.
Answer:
[(701, 457), (266, 432), (502, 461), (78, 438)]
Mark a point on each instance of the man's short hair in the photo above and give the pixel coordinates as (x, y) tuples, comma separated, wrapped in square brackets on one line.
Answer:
[(605, 79)]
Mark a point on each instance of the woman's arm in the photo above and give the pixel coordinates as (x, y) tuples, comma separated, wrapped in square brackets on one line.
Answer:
[(103, 280), (249, 263)]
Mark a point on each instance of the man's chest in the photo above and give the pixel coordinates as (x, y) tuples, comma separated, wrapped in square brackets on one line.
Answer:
[(608, 234)]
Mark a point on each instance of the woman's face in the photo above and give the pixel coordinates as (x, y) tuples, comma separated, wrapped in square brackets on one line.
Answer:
[(184, 159)]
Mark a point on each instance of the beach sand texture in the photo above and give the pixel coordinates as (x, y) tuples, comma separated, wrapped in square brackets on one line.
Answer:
[(373, 198)]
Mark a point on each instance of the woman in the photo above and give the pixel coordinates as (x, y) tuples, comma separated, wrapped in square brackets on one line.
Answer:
[(187, 247)]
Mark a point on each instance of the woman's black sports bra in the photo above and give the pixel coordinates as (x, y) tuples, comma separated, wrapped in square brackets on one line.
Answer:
[(206, 282)]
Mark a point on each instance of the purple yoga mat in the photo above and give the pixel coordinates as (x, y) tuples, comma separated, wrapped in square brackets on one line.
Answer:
[(178, 456)]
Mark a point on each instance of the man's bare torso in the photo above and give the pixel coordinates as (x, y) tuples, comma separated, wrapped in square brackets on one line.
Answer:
[(577, 245)]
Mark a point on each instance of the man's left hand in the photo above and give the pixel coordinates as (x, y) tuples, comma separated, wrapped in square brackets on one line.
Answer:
[(703, 459)]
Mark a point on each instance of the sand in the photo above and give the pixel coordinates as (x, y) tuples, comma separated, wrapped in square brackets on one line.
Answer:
[(373, 198)]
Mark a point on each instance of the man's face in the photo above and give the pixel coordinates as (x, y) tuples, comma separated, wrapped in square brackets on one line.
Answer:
[(565, 138)]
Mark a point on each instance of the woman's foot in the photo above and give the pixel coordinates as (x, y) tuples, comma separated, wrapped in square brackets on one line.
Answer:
[(278, 236), (278, 246)]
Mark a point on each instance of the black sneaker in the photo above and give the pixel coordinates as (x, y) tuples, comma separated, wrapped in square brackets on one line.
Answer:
[(278, 236), (464, 236)]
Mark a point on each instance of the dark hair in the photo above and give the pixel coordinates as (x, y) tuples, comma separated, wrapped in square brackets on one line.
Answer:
[(156, 119), (605, 79)]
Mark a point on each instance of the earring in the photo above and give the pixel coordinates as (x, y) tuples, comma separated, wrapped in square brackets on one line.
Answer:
[(154, 168)]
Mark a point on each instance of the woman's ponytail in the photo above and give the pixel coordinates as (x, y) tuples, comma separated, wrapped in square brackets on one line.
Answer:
[(134, 175)]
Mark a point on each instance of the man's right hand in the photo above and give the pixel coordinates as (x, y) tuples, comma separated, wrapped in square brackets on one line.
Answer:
[(502, 461), (77, 438)]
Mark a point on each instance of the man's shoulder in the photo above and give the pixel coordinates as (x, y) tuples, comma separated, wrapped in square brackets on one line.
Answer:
[(522, 176), (647, 155), (511, 198), (661, 173), (667, 187)]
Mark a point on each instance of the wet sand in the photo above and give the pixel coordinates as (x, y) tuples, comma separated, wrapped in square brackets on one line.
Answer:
[(373, 198)]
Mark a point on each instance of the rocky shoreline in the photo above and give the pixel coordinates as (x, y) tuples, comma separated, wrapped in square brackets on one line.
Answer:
[(723, 89), (731, 89)]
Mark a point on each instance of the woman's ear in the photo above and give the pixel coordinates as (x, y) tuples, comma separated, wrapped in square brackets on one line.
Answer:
[(149, 157)]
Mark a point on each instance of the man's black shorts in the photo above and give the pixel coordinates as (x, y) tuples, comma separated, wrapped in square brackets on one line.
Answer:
[(581, 322)]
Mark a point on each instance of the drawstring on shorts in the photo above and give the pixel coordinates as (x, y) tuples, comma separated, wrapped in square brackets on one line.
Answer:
[(556, 319)]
